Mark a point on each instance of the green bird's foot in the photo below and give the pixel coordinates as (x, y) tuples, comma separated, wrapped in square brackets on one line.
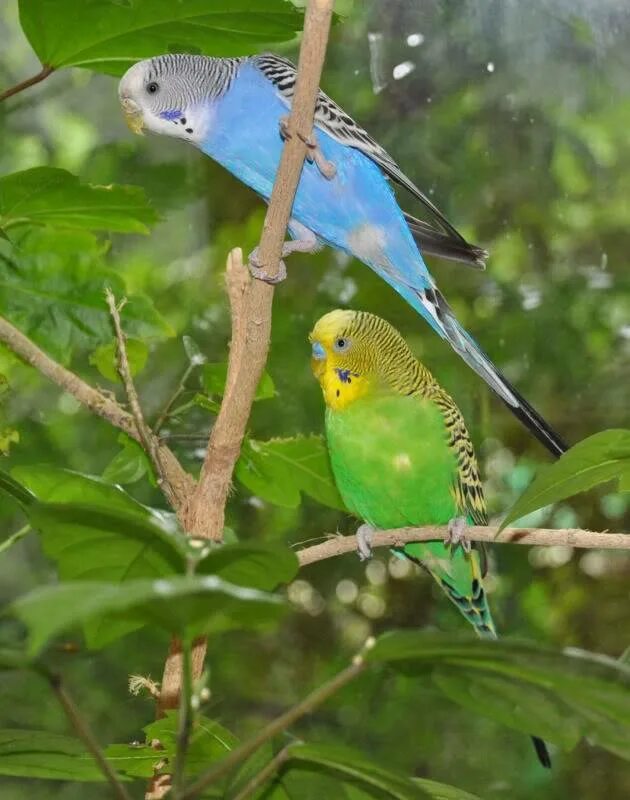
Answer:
[(364, 541), (314, 155), (456, 535)]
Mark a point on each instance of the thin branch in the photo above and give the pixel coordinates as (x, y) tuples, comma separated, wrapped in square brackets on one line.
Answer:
[(180, 483), (147, 439), (181, 386), (20, 87), (15, 537), (336, 545), (86, 735), (279, 725), (265, 773), (185, 720)]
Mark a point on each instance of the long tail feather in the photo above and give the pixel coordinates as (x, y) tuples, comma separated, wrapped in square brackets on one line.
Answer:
[(445, 245), (474, 356)]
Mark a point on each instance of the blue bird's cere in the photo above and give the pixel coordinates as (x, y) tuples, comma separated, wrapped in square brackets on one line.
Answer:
[(233, 110)]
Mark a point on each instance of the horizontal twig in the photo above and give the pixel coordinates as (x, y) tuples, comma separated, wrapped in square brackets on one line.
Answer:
[(336, 545), (19, 87)]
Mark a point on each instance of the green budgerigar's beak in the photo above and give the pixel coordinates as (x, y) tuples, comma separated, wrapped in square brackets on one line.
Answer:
[(133, 115)]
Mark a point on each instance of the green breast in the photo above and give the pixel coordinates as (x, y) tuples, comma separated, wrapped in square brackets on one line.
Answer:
[(392, 462)]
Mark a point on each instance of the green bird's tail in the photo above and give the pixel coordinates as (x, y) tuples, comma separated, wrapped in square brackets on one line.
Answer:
[(460, 576)]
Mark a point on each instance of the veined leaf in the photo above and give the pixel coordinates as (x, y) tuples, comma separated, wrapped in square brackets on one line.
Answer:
[(598, 459), (40, 754), (52, 196), (280, 469), (109, 36), (104, 358), (180, 605)]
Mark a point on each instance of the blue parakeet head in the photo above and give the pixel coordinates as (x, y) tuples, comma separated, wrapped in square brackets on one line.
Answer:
[(173, 94)]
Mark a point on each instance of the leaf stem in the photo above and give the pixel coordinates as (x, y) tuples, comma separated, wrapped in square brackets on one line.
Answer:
[(278, 725), (15, 537), (45, 71), (265, 773), (164, 414), (185, 719), (85, 734)]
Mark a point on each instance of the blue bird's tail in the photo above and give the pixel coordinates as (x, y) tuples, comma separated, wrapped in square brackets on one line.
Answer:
[(463, 344)]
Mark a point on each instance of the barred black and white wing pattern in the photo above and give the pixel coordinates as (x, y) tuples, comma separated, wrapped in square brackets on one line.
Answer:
[(329, 117)]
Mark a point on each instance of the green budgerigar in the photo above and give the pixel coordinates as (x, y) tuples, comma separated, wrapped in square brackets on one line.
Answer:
[(401, 454)]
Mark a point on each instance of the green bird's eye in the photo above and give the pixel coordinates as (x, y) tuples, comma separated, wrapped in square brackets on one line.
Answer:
[(341, 344), (152, 87)]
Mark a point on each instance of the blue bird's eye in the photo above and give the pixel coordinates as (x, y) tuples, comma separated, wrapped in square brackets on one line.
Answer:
[(341, 344), (318, 351)]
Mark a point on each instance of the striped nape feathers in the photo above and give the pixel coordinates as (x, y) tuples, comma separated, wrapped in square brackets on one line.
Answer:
[(166, 94)]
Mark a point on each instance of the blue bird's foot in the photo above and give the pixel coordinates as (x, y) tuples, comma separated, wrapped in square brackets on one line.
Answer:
[(364, 539), (259, 271), (314, 155), (456, 535)]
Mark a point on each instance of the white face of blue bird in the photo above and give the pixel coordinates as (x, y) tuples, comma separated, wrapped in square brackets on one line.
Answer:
[(170, 95)]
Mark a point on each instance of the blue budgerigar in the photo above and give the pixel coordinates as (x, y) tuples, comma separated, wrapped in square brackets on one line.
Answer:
[(234, 110)]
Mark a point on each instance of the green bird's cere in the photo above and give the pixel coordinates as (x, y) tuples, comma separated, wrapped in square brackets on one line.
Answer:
[(400, 451)]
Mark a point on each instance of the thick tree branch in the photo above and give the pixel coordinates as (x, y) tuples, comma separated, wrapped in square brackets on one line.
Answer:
[(19, 87), (252, 312), (180, 483), (336, 545)]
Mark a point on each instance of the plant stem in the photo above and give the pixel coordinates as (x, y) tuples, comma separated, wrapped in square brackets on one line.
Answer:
[(45, 71), (265, 773), (15, 537), (275, 727), (84, 733), (185, 719), (178, 391)]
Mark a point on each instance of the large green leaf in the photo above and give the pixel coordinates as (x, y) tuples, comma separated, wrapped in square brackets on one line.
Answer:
[(346, 763), (51, 288), (51, 196), (182, 605), (209, 741), (600, 458), (109, 35), (257, 565), (523, 685), (280, 469), (40, 754)]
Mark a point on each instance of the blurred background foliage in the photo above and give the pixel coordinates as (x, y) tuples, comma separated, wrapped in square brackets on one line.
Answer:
[(514, 117)]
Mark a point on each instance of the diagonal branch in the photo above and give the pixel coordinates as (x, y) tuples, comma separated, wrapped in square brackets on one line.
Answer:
[(179, 481), (336, 545), (44, 72)]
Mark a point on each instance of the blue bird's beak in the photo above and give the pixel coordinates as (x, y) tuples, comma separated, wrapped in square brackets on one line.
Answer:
[(318, 352)]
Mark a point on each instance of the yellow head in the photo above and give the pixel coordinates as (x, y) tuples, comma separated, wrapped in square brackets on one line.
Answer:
[(355, 353)]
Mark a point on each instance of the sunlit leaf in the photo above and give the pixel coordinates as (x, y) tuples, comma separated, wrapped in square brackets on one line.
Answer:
[(128, 465), (598, 459), (51, 196), (108, 36), (178, 605), (280, 469), (52, 288), (209, 741)]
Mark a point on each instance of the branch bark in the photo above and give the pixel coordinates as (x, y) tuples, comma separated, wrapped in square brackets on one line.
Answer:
[(180, 483), (337, 545), (45, 71)]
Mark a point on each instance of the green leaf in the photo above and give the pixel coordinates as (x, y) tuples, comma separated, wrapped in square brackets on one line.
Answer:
[(523, 685), (15, 490), (104, 358), (624, 482), (259, 566), (51, 196), (51, 288), (109, 36), (346, 763), (130, 464), (209, 742), (280, 469), (40, 754), (213, 377), (597, 459), (8, 436), (182, 605), (442, 791)]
